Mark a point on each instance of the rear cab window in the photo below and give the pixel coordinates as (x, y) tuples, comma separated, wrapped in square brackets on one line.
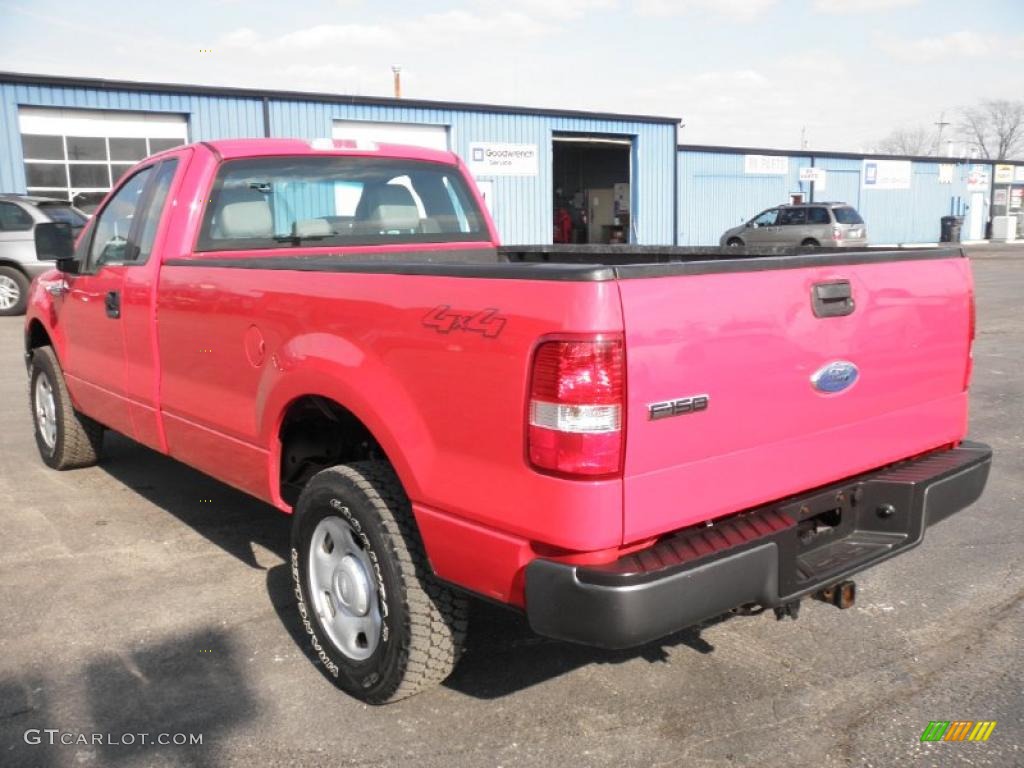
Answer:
[(281, 202), (847, 215)]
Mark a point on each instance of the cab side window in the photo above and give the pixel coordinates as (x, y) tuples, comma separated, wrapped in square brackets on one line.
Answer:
[(154, 211), (110, 240)]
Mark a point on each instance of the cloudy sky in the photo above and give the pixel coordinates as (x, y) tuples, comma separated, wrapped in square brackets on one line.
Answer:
[(740, 72)]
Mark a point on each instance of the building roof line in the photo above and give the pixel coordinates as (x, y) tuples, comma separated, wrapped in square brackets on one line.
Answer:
[(21, 78), (816, 153)]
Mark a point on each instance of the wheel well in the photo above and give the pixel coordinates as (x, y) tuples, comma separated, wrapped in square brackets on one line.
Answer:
[(317, 433), (810, 241), (734, 240), (36, 337), (14, 265)]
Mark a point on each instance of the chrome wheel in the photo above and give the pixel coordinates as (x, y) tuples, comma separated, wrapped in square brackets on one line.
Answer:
[(343, 589), (10, 293), (46, 411)]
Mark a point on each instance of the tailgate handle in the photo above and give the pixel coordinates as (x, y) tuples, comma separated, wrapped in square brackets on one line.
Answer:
[(832, 299)]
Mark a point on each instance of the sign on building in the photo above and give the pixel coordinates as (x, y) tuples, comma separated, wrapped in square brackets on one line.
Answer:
[(886, 174), (1004, 174), (491, 159), (774, 164), (814, 176), (977, 178), (946, 173)]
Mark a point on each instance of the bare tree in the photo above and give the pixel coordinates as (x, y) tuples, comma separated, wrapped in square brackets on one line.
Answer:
[(914, 140), (994, 129)]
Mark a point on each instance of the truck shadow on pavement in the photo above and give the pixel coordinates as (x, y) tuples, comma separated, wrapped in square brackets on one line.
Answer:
[(232, 520), (502, 654), (134, 699)]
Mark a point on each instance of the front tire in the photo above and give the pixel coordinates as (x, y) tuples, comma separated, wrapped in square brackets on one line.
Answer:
[(13, 292), (66, 438), (735, 242), (381, 624)]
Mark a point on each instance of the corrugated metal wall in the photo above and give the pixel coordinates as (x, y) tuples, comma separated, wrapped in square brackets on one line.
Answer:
[(522, 205), (715, 194)]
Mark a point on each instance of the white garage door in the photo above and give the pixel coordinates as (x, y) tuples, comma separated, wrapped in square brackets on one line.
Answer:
[(78, 154), (430, 136)]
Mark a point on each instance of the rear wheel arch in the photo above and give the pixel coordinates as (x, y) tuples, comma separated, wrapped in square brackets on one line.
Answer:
[(314, 432)]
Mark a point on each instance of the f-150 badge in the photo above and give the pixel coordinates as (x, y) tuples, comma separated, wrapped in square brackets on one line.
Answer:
[(678, 407), (835, 376)]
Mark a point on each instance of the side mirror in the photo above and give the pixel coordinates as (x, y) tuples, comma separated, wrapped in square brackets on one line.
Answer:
[(56, 242)]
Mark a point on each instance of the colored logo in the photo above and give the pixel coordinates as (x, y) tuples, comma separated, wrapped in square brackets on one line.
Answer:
[(834, 377), (958, 730)]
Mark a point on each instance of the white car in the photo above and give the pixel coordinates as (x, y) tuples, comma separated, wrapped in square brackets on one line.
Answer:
[(19, 215)]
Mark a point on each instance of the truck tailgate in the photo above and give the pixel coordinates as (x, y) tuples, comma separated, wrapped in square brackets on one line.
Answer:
[(747, 336)]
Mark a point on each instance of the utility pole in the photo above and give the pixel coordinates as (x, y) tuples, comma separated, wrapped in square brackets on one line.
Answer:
[(940, 126), (397, 71)]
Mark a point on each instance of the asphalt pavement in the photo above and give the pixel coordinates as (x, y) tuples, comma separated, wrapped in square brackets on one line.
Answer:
[(140, 597)]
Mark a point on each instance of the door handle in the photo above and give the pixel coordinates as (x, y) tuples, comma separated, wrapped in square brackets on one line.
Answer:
[(832, 299), (113, 304)]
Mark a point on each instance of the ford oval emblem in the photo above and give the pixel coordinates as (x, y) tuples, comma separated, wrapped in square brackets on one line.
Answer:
[(835, 377)]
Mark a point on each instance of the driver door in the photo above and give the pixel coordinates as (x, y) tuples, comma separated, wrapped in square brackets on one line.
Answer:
[(94, 363)]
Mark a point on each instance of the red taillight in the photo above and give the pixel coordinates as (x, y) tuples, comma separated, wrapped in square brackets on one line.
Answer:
[(577, 400), (972, 320), (837, 233)]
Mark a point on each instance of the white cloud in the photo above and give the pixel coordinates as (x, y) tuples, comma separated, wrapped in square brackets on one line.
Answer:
[(737, 10), (861, 6), (965, 44), (460, 27), (555, 9), (319, 37)]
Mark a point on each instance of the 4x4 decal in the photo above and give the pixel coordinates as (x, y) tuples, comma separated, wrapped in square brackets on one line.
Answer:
[(444, 320)]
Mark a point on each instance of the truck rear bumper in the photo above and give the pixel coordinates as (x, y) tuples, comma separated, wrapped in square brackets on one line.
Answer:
[(769, 556)]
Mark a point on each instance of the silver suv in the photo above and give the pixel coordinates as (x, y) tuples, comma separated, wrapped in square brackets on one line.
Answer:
[(808, 224), (19, 215)]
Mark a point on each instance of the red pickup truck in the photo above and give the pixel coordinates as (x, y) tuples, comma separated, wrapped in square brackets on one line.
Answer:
[(620, 442)]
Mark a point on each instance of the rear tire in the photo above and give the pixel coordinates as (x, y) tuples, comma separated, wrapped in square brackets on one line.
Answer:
[(66, 438), (810, 243), (383, 627), (735, 242), (13, 292)]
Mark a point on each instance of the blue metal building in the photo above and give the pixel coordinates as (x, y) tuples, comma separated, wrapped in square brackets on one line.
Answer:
[(127, 117), (73, 137), (902, 199)]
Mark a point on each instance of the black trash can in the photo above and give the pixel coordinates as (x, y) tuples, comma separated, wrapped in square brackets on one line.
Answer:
[(951, 226)]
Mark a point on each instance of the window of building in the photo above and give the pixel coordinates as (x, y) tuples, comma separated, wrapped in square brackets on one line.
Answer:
[(78, 155)]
